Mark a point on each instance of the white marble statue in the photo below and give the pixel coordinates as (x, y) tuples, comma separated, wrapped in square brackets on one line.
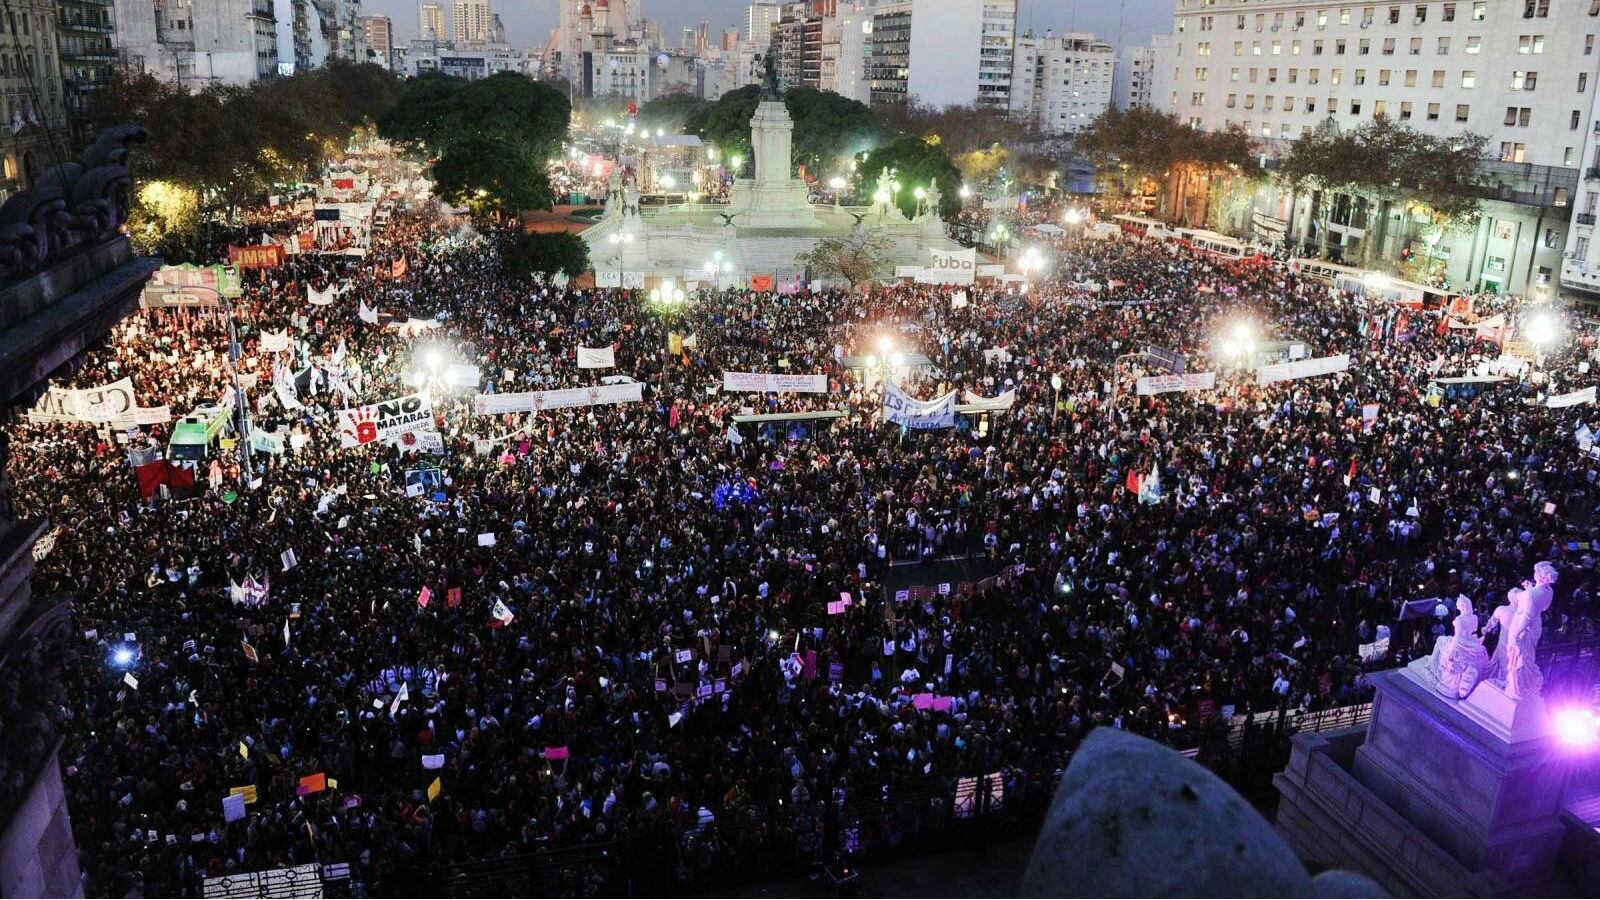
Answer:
[(1520, 623), (1459, 659)]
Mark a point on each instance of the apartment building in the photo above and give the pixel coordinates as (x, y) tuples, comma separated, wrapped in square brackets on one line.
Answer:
[(1061, 84)]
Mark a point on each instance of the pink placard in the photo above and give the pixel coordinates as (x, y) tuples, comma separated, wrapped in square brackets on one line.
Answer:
[(922, 701), (555, 753)]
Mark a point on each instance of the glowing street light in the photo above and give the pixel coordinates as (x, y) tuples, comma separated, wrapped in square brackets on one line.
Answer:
[(885, 344), (1074, 216), (738, 163), (668, 182), (965, 192), (1542, 329)]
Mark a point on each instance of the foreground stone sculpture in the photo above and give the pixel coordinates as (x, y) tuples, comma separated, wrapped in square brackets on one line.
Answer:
[(1459, 659), (71, 207), (1132, 818)]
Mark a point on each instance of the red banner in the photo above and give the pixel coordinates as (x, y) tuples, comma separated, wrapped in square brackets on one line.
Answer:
[(398, 268), (344, 184), (256, 256), (761, 282)]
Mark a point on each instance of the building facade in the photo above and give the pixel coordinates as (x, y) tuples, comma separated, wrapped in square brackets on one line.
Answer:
[(1134, 78), (83, 40), (470, 20), (430, 22), (1061, 84), (31, 90), (942, 52), (469, 61), (759, 20), (1519, 72), (226, 42), (378, 33)]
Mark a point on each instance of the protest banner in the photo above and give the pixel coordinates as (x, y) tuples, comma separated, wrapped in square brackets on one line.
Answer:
[(564, 398), (764, 382), (384, 420), (1304, 368), (596, 357), (902, 409), (1166, 384)]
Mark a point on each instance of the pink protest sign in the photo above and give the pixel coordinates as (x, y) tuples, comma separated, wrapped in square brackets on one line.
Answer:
[(555, 753), (922, 701)]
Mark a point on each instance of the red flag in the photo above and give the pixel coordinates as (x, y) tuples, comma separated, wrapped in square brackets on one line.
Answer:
[(398, 268), (179, 478), (1135, 481), (151, 476), (452, 598), (424, 597), (1351, 476)]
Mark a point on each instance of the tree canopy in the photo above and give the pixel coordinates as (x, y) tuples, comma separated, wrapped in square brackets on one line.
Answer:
[(491, 138), (1140, 145), (225, 146), (671, 111), (915, 162), (828, 128), (547, 253), (1390, 160)]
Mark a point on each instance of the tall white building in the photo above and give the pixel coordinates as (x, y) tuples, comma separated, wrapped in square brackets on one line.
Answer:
[(759, 20), (1162, 94), (471, 20), (1062, 83), (1135, 72), (845, 57), (942, 52), (1517, 71), (430, 22)]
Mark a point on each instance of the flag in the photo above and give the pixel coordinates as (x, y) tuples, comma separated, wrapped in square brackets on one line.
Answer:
[(403, 696), (502, 615), (250, 653), (1350, 475), (398, 268), (1150, 489), (367, 314), (424, 596), (435, 789), (163, 472), (285, 634), (1135, 481)]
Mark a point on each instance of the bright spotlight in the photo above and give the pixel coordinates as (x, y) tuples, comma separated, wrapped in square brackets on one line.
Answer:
[(122, 657), (1577, 727), (885, 344), (1542, 328)]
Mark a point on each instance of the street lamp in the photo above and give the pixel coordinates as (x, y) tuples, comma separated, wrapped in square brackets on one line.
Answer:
[(738, 163), (1542, 329), (1074, 216), (965, 192), (921, 194), (836, 184), (1055, 404), (668, 182)]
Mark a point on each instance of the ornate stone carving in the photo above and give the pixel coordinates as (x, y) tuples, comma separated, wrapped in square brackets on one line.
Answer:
[(1521, 625), (72, 206)]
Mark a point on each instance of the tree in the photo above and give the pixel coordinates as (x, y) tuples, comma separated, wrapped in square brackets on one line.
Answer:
[(491, 138), (1384, 162), (1137, 151), (548, 253), (914, 162), (859, 257), (493, 175), (670, 111)]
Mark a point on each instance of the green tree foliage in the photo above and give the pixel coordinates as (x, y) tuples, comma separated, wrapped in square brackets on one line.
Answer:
[(858, 258), (828, 128), (1388, 160), (915, 162), (491, 138), (1137, 146), (547, 253), (671, 111), (232, 145), (960, 129)]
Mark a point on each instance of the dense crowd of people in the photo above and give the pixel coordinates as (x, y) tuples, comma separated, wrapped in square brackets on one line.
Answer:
[(676, 662)]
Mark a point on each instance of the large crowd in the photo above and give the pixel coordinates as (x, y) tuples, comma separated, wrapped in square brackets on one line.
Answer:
[(673, 666)]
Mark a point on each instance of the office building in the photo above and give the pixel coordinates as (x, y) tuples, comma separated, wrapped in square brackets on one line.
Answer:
[(197, 45), (378, 33), (1061, 84), (1134, 77), (430, 22), (470, 20), (942, 52)]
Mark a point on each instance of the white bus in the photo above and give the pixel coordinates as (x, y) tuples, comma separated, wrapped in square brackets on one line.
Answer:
[(1218, 246), (1141, 227)]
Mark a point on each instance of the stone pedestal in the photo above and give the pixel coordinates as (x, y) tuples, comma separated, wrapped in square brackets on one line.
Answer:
[(774, 198), (1483, 787), (1440, 797)]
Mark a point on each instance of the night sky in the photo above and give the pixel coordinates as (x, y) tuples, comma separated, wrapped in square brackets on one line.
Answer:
[(528, 22)]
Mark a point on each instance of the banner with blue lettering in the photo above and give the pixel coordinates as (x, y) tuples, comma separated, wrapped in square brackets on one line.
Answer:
[(902, 409)]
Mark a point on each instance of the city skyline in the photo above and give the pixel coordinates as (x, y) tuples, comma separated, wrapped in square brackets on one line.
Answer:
[(528, 23)]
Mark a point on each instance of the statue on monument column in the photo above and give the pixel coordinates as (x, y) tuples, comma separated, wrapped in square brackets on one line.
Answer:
[(771, 85), (1520, 622), (1459, 659)]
